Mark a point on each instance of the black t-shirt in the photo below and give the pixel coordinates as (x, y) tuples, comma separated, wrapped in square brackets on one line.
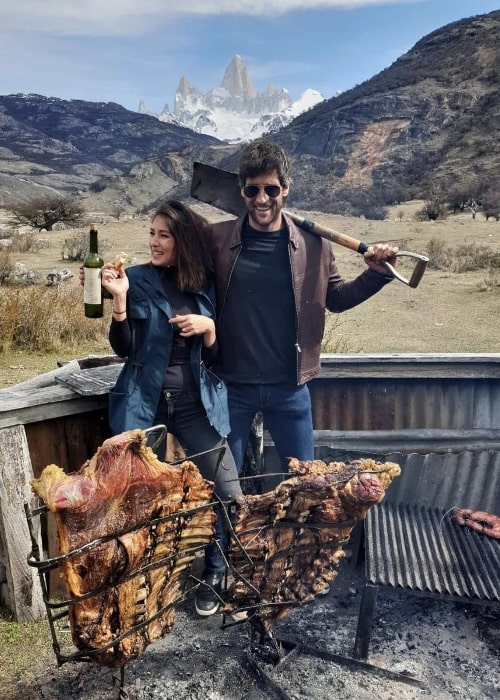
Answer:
[(179, 374), (257, 329)]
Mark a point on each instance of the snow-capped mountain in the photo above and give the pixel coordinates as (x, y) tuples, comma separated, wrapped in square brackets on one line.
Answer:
[(234, 111)]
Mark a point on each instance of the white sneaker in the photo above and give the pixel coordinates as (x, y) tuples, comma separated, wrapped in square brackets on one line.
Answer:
[(240, 615)]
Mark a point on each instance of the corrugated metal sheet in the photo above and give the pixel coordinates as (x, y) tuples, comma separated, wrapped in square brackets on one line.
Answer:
[(466, 479), (381, 442), (423, 549), (399, 392), (469, 479), (396, 404)]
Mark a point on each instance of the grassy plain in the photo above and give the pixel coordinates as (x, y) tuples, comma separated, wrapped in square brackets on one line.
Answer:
[(449, 312)]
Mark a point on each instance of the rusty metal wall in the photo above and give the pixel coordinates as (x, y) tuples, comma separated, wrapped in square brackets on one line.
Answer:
[(357, 393), (395, 404), (437, 416)]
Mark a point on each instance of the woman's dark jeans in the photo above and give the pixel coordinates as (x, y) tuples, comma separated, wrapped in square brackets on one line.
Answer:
[(185, 417)]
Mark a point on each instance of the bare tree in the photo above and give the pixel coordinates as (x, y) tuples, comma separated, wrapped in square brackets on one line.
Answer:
[(433, 209), (44, 212), (117, 210), (459, 197)]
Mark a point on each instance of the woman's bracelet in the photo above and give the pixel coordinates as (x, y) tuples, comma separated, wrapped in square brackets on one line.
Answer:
[(119, 312)]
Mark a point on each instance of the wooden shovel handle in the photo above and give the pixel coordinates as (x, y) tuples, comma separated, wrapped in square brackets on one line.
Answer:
[(328, 233)]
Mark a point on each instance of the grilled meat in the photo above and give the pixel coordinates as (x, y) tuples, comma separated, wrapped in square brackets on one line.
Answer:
[(131, 567), (289, 541)]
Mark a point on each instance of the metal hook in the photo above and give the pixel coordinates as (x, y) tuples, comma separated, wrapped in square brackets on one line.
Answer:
[(163, 434)]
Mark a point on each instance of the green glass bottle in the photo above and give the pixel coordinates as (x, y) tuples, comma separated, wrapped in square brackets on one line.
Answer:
[(92, 289)]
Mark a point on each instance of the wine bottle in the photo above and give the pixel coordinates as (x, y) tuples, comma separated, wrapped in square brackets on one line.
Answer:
[(92, 289)]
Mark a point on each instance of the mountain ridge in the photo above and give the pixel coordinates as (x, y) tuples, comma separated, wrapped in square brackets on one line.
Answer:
[(427, 124), (234, 111), (428, 121), (50, 144)]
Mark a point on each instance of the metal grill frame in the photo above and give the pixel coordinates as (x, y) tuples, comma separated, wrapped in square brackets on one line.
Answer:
[(420, 551)]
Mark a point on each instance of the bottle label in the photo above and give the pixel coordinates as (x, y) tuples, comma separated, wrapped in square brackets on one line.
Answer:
[(92, 293)]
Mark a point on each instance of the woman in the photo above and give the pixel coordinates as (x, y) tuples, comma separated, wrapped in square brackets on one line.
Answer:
[(163, 324)]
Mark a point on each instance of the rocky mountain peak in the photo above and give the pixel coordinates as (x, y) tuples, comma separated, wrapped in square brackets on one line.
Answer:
[(237, 81), (235, 111)]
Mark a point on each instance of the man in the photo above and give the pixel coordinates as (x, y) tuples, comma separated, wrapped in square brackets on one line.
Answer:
[(274, 282)]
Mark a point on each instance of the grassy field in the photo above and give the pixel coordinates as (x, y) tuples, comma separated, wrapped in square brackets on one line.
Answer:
[(454, 309)]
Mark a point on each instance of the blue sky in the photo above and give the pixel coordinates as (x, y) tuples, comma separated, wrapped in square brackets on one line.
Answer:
[(130, 50)]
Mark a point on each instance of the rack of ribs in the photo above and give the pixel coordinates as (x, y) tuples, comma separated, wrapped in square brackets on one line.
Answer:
[(288, 543), (129, 527)]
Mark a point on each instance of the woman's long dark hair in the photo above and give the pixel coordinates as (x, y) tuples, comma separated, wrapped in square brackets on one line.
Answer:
[(190, 232)]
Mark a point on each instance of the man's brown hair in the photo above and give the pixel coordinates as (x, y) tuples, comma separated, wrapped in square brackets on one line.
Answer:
[(263, 156)]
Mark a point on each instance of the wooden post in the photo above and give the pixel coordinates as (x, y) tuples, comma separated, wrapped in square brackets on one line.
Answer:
[(24, 593)]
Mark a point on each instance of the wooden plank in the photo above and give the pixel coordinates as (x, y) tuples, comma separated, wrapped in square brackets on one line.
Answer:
[(422, 441), (72, 404), (45, 379), (54, 393), (412, 365), (48, 378), (24, 591), (91, 382)]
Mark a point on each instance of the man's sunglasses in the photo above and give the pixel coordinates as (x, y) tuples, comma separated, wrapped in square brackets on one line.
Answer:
[(253, 190)]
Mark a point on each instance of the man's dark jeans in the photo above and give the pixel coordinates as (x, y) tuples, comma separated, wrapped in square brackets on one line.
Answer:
[(286, 408)]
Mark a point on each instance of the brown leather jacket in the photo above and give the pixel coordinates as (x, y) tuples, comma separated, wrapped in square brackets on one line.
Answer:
[(317, 284)]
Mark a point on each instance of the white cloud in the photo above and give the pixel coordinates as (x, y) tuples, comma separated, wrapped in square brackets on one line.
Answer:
[(132, 17)]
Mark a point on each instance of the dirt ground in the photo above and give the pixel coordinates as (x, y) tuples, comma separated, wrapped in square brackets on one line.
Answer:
[(432, 649), (442, 650)]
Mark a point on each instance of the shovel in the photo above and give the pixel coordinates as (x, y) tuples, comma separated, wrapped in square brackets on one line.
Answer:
[(221, 189)]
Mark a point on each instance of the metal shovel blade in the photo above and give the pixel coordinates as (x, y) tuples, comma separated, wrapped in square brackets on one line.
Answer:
[(217, 187)]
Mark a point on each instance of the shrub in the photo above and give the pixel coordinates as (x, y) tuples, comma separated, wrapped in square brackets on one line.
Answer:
[(332, 341), (438, 253), (375, 212), (432, 210), (75, 247), (6, 265), (467, 257), (45, 319), (471, 256), (44, 212), (25, 242), (491, 281)]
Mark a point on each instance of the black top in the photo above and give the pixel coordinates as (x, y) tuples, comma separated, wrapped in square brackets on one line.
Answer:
[(179, 375), (257, 330)]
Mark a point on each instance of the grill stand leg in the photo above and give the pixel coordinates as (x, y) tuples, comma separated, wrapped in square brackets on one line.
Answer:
[(356, 541), (365, 620)]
